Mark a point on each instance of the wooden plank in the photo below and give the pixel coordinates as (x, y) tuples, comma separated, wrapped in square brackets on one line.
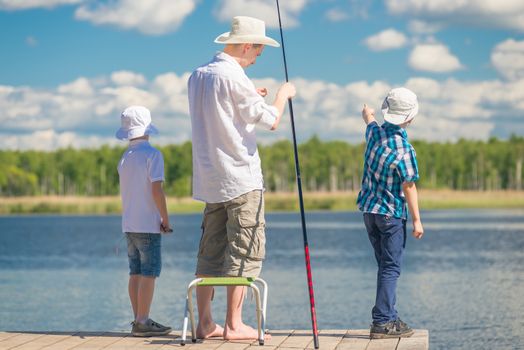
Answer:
[(298, 339), (5, 335), (328, 339), (74, 340), (277, 338), (418, 341), (46, 340), (102, 341), (354, 340), (126, 343), (280, 340), (19, 339), (207, 344), (154, 342), (236, 345), (383, 344)]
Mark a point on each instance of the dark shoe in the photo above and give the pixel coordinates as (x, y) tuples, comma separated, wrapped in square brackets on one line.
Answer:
[(392, 329), (149, 329)]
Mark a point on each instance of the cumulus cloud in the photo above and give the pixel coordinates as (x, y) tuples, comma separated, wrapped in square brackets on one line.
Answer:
[(508, 59), (29, 4), (336, 15), (152, 17), (507, 14), (127, 78), (388, 39), (434, 58), (85, 112), (423, 27), (31, 41), (262, 9)]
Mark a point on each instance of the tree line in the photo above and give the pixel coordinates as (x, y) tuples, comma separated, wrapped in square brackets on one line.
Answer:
[(325, 166)]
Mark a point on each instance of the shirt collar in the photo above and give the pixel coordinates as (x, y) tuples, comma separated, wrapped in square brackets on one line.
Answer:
[(137, 142), (395, 128), (220, 55)]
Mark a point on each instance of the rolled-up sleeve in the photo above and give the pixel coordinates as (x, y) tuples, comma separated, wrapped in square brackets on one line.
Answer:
[(252, 107), (408, 167), (155, 167)]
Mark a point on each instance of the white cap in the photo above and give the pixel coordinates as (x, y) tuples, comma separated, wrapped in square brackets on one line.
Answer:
[(246, 30), (136, 122), (400, 106)]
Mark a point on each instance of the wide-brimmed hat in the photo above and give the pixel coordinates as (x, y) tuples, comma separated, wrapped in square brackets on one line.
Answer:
[(246, 30), (136, 122), (400, 106)]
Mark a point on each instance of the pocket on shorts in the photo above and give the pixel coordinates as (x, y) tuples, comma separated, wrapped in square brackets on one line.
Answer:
[(247, 234)]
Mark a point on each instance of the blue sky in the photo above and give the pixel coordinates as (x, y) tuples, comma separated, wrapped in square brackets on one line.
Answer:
[(68, 67)]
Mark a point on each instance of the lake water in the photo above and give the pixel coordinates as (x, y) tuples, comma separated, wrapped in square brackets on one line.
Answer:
[(464, 281)]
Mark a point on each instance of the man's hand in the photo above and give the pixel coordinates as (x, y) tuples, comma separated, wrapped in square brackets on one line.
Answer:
[(368, 114), (262, 92), (418, 230), (286, 91)]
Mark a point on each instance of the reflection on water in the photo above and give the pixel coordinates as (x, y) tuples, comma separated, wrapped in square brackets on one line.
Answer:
[(464, 281)]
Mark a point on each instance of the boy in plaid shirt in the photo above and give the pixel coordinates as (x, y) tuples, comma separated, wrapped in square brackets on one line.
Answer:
[(388, 184)]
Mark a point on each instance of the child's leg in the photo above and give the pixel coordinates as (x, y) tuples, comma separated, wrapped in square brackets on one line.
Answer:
[(133, 255), (134, 283), (146, 289), (149, 246), (386, 234)]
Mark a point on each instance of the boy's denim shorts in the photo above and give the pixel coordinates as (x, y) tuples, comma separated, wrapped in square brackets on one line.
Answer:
[(144, 253)]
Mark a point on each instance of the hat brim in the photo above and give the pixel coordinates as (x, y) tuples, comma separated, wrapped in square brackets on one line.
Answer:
[(226, 38), (128, 134)]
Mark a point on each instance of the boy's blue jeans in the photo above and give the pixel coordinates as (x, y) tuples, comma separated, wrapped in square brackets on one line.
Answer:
[(387, 235)]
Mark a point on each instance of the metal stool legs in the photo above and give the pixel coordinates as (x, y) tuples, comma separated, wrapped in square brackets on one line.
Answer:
[(261, 303)]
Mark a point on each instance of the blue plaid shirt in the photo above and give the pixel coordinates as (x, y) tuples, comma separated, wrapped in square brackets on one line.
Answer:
[(389, 161)]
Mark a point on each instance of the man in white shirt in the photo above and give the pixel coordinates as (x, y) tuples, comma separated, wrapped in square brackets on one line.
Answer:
[(225, 106)]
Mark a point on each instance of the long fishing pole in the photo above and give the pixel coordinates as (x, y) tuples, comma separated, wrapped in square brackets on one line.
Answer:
[(301, 200)]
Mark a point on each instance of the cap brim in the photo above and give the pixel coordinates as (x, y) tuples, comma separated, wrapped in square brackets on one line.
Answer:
[(225, 38), (126, 134)]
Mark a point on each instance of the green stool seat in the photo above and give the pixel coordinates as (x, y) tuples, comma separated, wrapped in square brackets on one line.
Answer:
[(251, 282)]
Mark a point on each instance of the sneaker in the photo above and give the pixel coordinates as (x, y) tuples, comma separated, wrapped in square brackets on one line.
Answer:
[(149, 329), (391, 329)]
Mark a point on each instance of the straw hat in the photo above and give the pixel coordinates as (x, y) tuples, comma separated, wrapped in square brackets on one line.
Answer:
[(246, 30), (400, 106), (136, 122)]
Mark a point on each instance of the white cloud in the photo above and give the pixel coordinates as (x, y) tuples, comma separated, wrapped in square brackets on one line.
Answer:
[(31, 41), (506, 14), (29, 4), (152, 17), (127, 78), (80, 86), (433, 58), (508, 59), (85, 112), (423, 27), (386, 40), (263, 9), (336, 15)]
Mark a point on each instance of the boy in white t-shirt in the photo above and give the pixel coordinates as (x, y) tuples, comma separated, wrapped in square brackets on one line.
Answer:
[(144, 214)]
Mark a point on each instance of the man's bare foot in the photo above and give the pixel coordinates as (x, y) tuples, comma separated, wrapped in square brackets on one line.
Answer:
[(211, 331), (244, 332)]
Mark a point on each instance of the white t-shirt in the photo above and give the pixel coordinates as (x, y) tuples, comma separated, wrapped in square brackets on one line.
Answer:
[(225, 107), (140, 166)]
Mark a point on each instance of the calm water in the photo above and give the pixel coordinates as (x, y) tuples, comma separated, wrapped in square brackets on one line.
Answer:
[(464, 281)]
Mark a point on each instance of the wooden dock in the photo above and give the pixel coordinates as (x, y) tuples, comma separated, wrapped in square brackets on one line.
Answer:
[(280, 339)]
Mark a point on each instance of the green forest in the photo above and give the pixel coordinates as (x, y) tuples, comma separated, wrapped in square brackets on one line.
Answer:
[(325, 166)]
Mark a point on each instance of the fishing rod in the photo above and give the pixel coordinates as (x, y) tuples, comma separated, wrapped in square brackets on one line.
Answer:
[(301, 200)]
